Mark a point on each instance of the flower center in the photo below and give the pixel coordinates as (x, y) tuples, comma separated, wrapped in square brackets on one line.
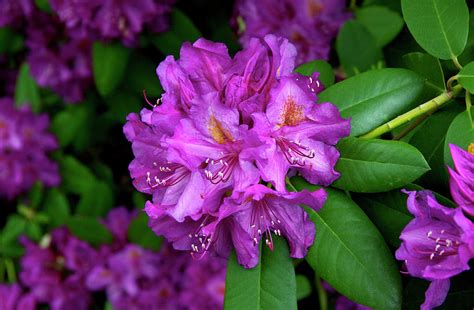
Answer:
[(263, 221), (292, 113), (295, 153), (220, 170), (444, 243), (170, 174), (219, 133), (200, 241)]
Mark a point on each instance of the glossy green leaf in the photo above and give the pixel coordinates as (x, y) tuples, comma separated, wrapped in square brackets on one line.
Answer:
[(429, 140), (27, 91), (439, 26), (57, 207), (139, 233), (303, 287), (270, 285), (429, 68), (109, 63), (375, 97), (393, 5), (181, 30), (461, 133), (326, 73), (90, 230), (348, 243), (375, 165), (383, 23), (468, 53), (357, 48), (466, 77)]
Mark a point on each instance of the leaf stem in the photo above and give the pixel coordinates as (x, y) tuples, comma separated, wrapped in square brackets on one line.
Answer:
[(456, 62), (290, 185), (468, 107), (426, 107), (322, 294), (10, 267)]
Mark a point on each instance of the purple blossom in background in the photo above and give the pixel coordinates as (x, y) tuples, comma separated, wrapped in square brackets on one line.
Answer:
[(58, 60), (12, 297), (310, 25), (24, 144), (113, 19), (462, 178), (222, 126), (8, 77), (55, 273), (342, 302), (436, 245), (13, 12)]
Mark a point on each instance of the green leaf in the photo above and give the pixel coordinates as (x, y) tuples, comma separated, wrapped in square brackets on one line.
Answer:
[(429, 140), (375, 165), (109, 62), (466, 77), (461, 133), (14, 227), (393, 5), (35, 195), (383, 23), (27, 91), (347, 243), (375, 97), (68, 123), (439, 26), (269, 285), (181, 30), (326, 73), (357, 48), (10, 41), (90, 230), (139, 233), (57, 207), (429, 68), (33, 231), (97, 200), (122, 103), (303, 287), (141, 75), (77, 178)]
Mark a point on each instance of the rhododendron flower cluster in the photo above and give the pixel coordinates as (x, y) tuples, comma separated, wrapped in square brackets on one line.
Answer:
[(439, 242), (310, 25), (24, 146), (62, 271), (222, 128)]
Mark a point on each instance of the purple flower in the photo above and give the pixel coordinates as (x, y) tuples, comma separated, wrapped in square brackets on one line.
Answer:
[(462, 179), (8, 76), (309, 24), (437, 244), (13, 13), (12, 297), (56, 59), (113, 19), (55, 273), (24, 144)]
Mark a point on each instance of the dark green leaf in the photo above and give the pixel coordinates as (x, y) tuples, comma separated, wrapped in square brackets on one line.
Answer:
[(121, 104), (109, 62), (33, 231), (68, 123), (429, 68), (27, 91), (141, 75), (35, 195), (374, 165), (57, 207), (357, 49), (347, 243), (393, 5), (303, 287), (374, 97), (439, 26), (77, 178), (139, 233), (270, 285), (460, 133), (14, 227), (97, 200), (383, 23), (10, 41), (325, 70), (466, 77), (90, 230)]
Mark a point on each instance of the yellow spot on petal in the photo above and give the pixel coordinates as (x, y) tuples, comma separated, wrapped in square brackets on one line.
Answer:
[(292, 113), (470, 148), (220, 134)]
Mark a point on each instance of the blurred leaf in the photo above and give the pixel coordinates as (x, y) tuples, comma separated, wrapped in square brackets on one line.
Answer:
[(109, 63), (43, 5), (139, 233), (33, 231), (90, 230), (77, 178), (27, 91), (461, 133), (96, 201), (326, 73), (375, 97), (10, 41), (393, 5), (35, 195), (12, 250), (347, 242), (429, 68), (383, 23), (375, 165), (68, 123), (466, 77), (121, 104), (357, 49), (181, 30), (141, 75), (139, 200), (269, 285), (14, 227), (57, 207), (303, 287), (439, 26)]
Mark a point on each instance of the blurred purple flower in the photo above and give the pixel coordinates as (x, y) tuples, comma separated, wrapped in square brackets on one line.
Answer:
[(462, 178), (57, 60), (310, 25), (13, 12), (217, 130), (55, 273), (24, 144), (8, 76), (12, 297), (344, 303), (437, 244), (113, 19)]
